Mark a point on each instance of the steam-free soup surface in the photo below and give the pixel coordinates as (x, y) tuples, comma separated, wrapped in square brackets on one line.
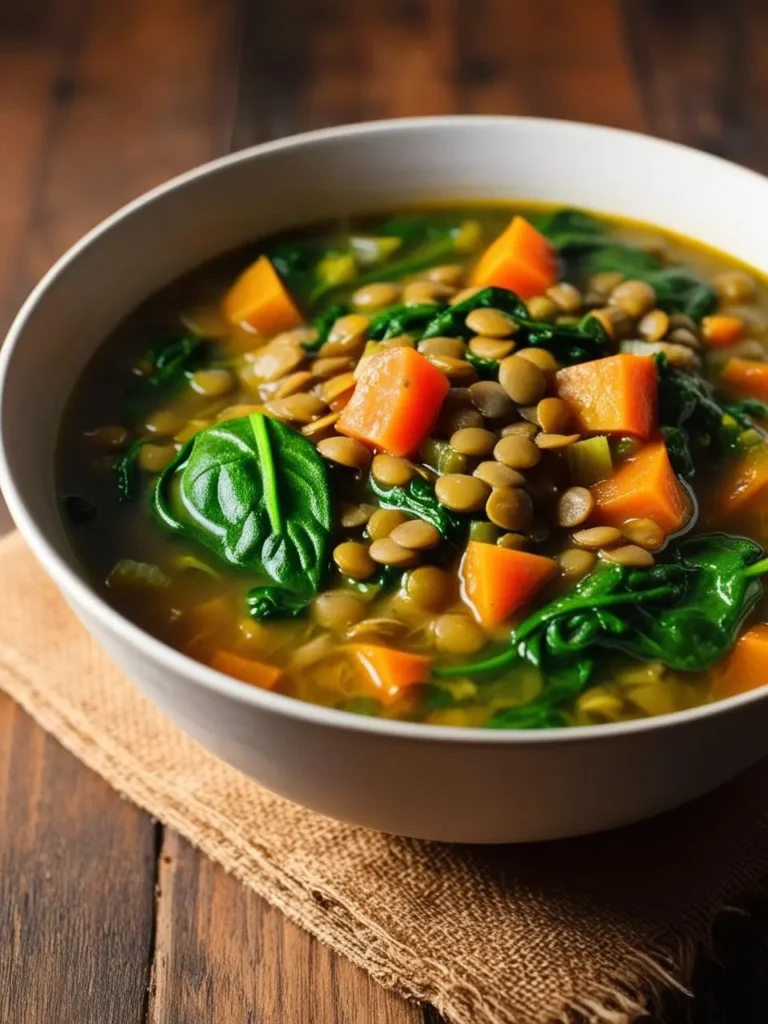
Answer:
[(469, 466)]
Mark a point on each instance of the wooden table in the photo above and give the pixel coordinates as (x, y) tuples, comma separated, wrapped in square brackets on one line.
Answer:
[(106, 916)]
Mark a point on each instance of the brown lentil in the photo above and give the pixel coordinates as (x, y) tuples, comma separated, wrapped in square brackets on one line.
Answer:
[(654, 325), (605, 282), (565, 296), (520, 429), (635, 297), (164, 422), (392, 471), (376, 296), (523, 381), (628, 554), (574, 507), (514, 541), (212, 383), (388, 552), (337, 386), (554, 415), (399, 341), (430, 588), (511, 508), (607, 321), (542, 358), (331, 366), (322, 427), (491, 322), (517, 452), (681, 356), (354, 516), (384, 521), (496, 474), (337, 611), (473, 441), (347, 334), (576, 562), (354, 560), (153, 458), (272, 362), (294, 382), (454, 369), (458, 634), (345, 451), (416, 535), (490, 348), (465, 293), (299, 408), (453, 347), (461, 492), (426, 292), (541, 308), (550, 442), (491, 400), (447, 273), (597, 537), (646, 533), (685, 336), (735, 286)]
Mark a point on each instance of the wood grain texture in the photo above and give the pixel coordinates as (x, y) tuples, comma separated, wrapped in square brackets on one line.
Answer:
[(99, 101), (223, 954), (77, 868)]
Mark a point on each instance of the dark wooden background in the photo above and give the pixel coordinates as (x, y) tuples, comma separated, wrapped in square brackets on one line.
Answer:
[(105, 916)]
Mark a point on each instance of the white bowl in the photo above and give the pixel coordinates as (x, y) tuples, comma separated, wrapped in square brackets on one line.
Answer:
[(464, 785)]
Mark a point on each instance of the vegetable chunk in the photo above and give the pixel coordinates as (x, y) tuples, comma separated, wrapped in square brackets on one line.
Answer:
[(614, 395), (520, 259), (747, 377), (247, 670), (746, 667), (645, 486), (259, 299), (497, 581), (390, 672), (396, 402)]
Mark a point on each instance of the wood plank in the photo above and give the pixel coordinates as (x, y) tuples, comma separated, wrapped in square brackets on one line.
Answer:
[(553, 58), (76, 887), (223, 954)]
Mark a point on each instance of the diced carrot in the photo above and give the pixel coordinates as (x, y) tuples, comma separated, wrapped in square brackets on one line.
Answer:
[(247, 670), (520, 259), (747, 377), (744, 490), (721, 331), (746, 667), (644, 486), (396, 402), (260, 299), (614, 395), (390, 672), (497, 581)]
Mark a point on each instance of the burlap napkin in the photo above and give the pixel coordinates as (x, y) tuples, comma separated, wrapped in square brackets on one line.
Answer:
[(490, 935)]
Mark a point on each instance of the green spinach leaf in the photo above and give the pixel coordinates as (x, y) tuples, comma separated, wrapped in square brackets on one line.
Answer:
[(127, 470), (276, 603), (323, 324), (418, 499), (168, 368), (256, 493), (400, 320), (686, 613)]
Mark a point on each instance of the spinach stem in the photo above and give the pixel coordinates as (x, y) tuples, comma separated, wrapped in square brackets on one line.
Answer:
[(758, 569), (264, 449), (510, 656)]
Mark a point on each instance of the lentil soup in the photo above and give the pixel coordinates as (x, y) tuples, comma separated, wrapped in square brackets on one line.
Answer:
[(483, 466)]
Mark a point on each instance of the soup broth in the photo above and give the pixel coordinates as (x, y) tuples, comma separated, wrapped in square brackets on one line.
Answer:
[(482, 466)]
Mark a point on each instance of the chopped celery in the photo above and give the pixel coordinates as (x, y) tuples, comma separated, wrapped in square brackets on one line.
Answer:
[(130, 575), (439, 455), (337, 269), (590, 461), (468, 236), (372, 249), (195, 564), (371, 348), (483, 531)]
